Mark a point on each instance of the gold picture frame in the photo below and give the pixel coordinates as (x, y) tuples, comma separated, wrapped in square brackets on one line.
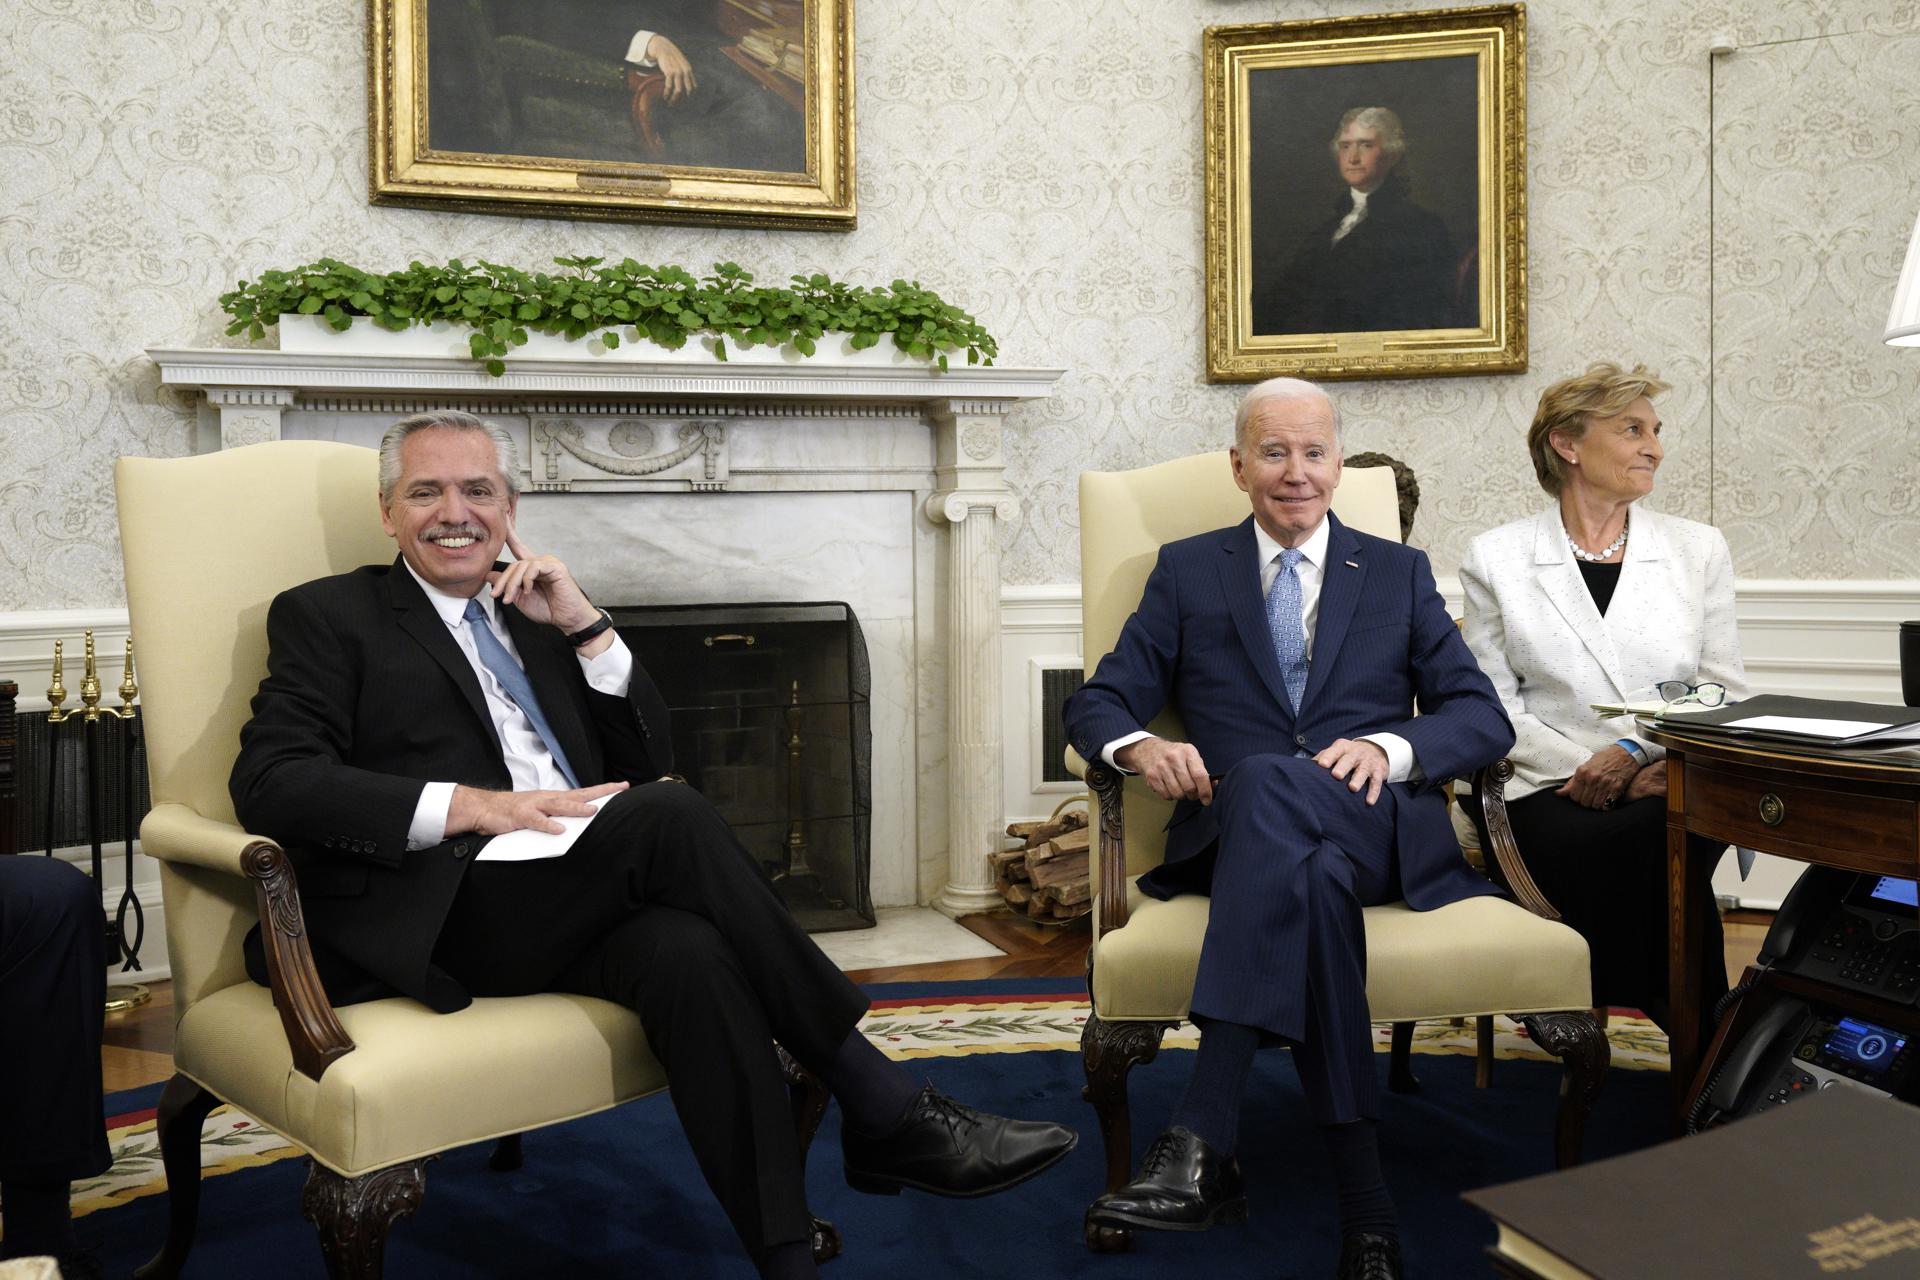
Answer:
[(1430, 278), (744, 117)]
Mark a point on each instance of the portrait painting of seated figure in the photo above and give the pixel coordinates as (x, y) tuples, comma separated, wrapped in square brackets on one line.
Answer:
[(714, 84)]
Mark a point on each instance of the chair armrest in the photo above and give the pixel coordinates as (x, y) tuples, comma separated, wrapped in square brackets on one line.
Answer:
[(175, 833), (1105, 782), (1490, 785)]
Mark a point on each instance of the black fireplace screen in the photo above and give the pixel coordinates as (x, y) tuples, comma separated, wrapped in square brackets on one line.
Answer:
[(772, 723)]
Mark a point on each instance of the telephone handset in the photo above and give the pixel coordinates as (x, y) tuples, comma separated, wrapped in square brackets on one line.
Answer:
[(1768, 1042)]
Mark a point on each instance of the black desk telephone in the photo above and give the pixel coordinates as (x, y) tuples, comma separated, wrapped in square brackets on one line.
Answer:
[(1851, 932)]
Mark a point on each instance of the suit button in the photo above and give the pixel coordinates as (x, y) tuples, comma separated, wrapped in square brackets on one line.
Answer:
[(327, 843), (460, 850), (1299, 739)]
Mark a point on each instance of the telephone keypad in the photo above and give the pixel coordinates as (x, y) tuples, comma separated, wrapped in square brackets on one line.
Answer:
[(1876, 954), (1794, 1084)]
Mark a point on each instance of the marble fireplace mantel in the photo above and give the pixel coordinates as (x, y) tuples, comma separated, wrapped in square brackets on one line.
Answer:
[(676, 458)]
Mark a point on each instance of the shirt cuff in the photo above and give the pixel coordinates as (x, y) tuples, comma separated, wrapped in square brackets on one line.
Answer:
[(612, 671), (1399, 754), (637, 49), (429, 825), (1106, 752)]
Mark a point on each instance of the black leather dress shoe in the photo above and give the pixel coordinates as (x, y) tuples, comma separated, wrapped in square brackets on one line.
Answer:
[(1184, 1185), (1366, 1256), (950, 1149)]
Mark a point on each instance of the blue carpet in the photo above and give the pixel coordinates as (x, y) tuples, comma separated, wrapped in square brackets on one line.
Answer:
[(618, 1194)]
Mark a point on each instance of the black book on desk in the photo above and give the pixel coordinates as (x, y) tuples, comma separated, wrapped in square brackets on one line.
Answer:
[(1823, 1187), (1810, 722)]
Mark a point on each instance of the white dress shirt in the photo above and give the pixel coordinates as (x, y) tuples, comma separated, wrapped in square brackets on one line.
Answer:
[(637, 49), (529, 764), (1311, 571), (1354, 215)]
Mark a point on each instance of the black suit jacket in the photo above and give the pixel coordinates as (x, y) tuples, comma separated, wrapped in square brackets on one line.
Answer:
[(367, 698), (1394, 270)]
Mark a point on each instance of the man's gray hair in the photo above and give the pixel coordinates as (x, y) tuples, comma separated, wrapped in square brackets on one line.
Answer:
[(1286, 389), (1382, 120), (445, 420)]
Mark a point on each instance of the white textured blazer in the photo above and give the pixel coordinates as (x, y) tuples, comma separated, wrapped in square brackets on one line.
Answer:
[(1534, 628)]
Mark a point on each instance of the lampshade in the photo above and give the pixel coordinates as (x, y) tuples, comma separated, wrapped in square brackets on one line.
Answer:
[(1903, 322)]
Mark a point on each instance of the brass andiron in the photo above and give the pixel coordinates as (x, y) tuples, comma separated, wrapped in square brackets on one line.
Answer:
[(90, 708), (89, 713)]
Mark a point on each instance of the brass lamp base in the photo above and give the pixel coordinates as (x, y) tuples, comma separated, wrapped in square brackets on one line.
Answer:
[(122, 998)]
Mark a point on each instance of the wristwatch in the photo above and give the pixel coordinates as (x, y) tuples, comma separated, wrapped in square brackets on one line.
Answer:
[(592, 629)]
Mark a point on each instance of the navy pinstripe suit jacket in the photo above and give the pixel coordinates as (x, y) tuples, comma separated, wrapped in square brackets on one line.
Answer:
[(1383, 645)]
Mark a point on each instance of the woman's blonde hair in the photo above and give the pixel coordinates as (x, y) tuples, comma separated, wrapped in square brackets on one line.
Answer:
[(1602, 391)]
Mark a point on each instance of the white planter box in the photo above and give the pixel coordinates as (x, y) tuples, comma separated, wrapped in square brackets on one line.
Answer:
[(309, 335)]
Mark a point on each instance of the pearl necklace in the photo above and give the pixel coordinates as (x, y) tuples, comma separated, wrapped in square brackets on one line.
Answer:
[(1598, 557)]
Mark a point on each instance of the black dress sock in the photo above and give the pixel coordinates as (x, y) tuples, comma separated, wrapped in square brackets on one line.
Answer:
[(37, 1219), (1211, 1105), (1364, 1202), (874, 1091), (790, 1261)]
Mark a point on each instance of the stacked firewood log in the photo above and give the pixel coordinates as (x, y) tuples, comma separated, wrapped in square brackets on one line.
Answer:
[(1046, 875)]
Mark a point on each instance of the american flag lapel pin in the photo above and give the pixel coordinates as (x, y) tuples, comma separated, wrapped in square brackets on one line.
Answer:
[(1352, 564)]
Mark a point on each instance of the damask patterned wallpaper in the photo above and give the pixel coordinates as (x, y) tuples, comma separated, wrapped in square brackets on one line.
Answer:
[(1041, 165)]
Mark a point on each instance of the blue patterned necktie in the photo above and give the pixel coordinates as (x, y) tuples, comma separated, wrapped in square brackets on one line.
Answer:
[(494, 656), (1283, 621)]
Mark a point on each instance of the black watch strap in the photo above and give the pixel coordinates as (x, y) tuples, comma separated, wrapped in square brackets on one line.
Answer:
[(592, 629)]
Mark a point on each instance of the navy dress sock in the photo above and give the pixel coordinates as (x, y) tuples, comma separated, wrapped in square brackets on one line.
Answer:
[(874, 1091), (790, 1261), (1364, 1202), (1211, 1105)]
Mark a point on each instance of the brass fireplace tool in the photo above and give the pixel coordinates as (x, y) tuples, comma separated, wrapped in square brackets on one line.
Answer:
[(90, 713)]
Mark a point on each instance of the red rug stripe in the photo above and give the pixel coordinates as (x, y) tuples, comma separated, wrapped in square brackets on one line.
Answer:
[(129, 1118), (1010, 998)]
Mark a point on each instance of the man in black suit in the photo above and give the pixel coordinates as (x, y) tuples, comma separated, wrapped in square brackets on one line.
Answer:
[(413, 711), (1379, 261)]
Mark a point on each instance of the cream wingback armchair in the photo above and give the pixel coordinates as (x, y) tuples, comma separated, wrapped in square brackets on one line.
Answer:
[(369, 1091), (1478, 957)]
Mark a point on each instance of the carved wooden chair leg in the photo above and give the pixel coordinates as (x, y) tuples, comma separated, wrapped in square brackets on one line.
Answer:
[(1578, 1041), (183, 1110), (1110, 1050), (808, 1096), (1400, 1077), (1483, 1051), (354, 1215), (507, 1155)]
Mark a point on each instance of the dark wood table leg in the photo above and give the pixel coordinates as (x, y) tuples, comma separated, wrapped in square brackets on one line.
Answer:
[(1683, 953)]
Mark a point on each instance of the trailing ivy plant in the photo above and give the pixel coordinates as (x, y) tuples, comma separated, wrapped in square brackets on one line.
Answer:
[(501, 305)]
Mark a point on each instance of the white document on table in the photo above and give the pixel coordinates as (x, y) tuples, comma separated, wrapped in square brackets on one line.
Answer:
[(527, 845), (1809, 727)]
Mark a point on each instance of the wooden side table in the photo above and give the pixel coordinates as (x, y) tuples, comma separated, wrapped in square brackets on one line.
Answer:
[(1852, 809)]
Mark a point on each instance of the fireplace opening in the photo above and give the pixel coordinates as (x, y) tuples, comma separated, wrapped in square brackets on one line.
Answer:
[(772, 722)]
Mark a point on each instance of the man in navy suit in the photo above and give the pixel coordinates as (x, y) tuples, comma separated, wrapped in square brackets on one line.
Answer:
[(1297, 651)]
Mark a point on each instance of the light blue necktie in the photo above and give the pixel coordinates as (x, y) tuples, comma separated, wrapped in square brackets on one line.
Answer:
[(1283, 621), (494, 656)]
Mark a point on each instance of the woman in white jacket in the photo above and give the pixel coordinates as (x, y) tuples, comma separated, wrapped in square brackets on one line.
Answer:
[(1598, 599)]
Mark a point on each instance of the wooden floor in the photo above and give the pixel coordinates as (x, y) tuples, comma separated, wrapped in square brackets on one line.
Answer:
[(139, 1044)]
